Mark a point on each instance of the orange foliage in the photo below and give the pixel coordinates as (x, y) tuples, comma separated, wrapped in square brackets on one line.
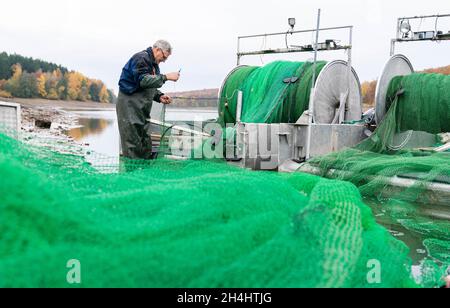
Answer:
[(368, 92), (41, 80), (75, 82), (441, 70)]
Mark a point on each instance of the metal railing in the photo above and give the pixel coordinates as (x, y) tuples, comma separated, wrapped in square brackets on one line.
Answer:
[(315, 49), (405, 37)]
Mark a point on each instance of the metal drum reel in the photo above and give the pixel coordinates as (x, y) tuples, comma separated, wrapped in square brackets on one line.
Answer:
[(337, 96), (397, 65)]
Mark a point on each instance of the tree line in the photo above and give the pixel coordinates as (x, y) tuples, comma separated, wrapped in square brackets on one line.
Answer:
[(29, 78)]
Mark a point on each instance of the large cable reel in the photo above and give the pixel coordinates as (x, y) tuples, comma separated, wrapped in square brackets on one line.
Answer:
[(337, 94), (334, 85), (397, 65)]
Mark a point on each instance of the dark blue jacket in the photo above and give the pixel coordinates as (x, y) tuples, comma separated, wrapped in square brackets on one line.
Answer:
[(139, 66)]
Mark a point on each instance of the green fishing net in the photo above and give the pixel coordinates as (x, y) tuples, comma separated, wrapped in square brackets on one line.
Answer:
[(275, 93), (201, 223), (399, 172), (185, 224), (278, 92)]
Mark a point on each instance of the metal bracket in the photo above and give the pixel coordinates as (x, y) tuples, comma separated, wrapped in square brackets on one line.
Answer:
[(290, 80)]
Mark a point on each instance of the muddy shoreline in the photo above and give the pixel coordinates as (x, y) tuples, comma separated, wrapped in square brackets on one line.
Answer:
[(46, 122), (53, 114), (68, 105)]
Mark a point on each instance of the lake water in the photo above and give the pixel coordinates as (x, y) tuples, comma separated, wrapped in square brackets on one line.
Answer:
[(100, 131)]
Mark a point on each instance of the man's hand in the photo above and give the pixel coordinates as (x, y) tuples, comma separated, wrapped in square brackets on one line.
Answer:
[(165, 99), (173, 76)]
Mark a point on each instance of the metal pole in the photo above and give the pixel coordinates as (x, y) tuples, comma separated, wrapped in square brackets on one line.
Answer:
[(349, 63), (392, 47), (398, 34), (238, 51), (239, 107), (316, 44), (311, 99)]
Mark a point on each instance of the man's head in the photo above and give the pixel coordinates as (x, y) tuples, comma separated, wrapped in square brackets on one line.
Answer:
[(161, 51)]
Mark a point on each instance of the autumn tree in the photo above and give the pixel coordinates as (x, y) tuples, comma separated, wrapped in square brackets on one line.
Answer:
[(368, 92), (28, 64), (51, 85), (32, 78), (103, 94), (111, 97), (441, 70), (94, 91), (84, 91), (77, 86), (27, 86), (62, 88), (41, 80), (12, 85), (3, 92)]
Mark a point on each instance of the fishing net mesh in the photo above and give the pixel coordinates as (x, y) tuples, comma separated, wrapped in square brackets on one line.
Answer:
[(394, 168), (201, 223), (184, 224), (278, 92), (269, 94)]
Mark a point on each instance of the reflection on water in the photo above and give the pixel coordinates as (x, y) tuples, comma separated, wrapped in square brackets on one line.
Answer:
[(90, 127), (100, 131), (413, 224)]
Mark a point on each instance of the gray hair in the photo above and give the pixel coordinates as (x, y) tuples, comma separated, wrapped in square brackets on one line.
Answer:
[(164, 45)]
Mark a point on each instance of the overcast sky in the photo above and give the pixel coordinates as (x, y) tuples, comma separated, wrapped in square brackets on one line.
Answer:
[(97, 37)]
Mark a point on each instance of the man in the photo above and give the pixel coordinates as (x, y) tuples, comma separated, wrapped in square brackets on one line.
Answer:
[(138, 88)]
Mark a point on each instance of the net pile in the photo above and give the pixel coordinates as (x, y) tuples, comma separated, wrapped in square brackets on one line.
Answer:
[(185, 224), (270, 94), (415, 103), (419, 107)]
